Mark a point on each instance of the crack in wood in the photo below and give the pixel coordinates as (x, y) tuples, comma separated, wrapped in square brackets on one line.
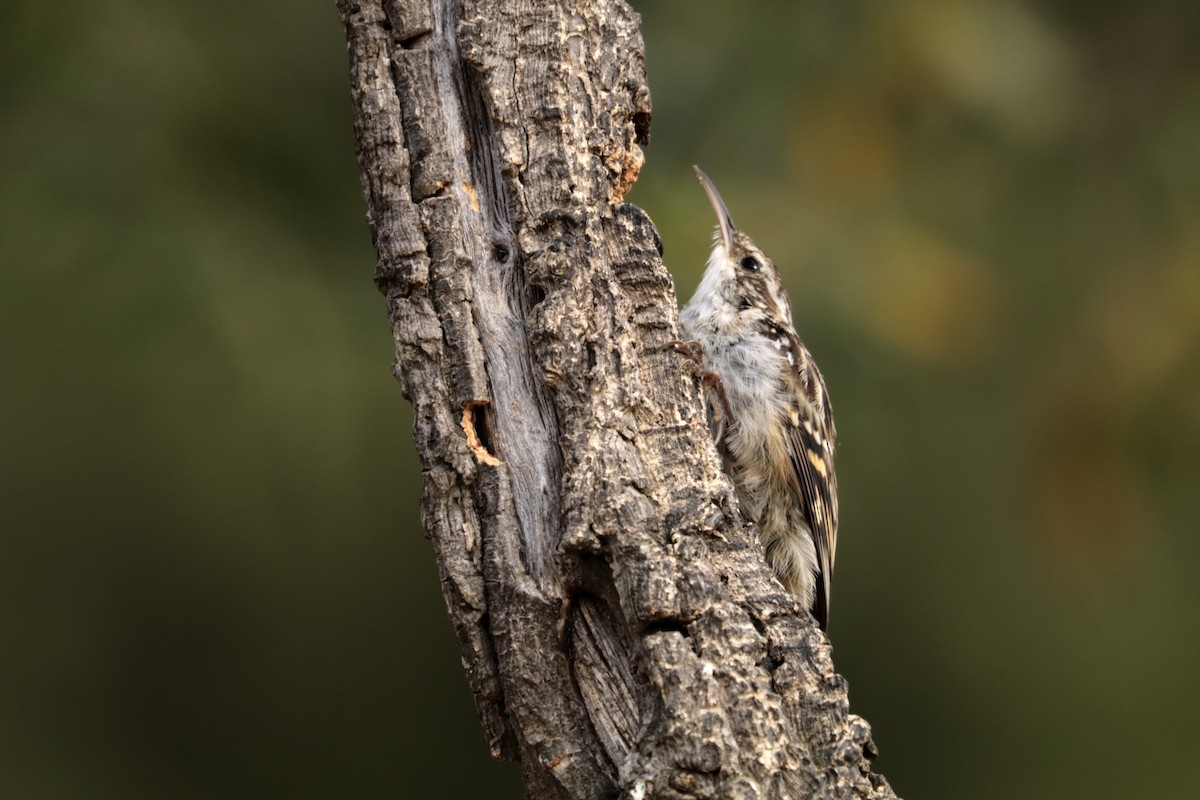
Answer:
[(475, 426)]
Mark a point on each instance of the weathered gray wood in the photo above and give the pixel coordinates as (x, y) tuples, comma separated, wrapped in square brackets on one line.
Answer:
[(621, 632)]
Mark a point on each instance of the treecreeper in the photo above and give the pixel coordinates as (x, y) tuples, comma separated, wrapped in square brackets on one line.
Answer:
[(769, 409)]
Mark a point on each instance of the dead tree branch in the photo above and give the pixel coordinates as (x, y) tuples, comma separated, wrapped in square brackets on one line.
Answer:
[(621, 631)]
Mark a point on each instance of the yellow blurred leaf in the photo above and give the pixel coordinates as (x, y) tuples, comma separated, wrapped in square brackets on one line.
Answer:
[(928, 298)]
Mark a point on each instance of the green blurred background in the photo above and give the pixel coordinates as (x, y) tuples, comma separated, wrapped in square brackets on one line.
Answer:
[(213, 581)]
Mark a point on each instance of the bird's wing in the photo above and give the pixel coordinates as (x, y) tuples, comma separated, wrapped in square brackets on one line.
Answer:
[(810, 447)]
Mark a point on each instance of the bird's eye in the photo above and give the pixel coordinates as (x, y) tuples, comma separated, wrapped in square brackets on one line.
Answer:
[(751, 263)]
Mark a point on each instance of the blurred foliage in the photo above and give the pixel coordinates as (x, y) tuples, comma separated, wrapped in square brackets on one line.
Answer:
[(213, 580)]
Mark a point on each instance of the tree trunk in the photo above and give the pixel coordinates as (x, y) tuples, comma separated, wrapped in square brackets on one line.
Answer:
[(621, 631)]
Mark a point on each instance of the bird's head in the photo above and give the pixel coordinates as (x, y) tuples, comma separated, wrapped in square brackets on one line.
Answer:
[(739, 275)]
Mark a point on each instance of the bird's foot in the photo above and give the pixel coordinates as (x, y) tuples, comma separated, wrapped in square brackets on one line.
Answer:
[(693, 351)]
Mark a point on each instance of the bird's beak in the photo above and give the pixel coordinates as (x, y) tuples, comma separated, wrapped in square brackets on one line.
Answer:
[(724, 221)]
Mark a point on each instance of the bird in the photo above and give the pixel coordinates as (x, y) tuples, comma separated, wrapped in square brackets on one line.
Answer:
[(768, 407)]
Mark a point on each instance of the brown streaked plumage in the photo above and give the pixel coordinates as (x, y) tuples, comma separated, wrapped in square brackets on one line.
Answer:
[(778, 443)]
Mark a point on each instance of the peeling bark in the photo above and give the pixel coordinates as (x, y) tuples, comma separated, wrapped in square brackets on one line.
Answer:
[(620, 630)]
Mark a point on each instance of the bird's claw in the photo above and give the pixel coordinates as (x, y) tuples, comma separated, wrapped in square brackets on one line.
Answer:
[(693, 349), (694, 352)]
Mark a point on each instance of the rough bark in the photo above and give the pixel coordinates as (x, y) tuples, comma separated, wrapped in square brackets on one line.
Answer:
[(619, 627)]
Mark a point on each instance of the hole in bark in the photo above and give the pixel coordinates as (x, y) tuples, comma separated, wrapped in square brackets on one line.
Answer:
[(536, 293), (758, 626), (591, 356), (482, 432), (416, 40), (770, 663), (641, 127), (870, 751), (665, 626), (500, 252), (479, 436)]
